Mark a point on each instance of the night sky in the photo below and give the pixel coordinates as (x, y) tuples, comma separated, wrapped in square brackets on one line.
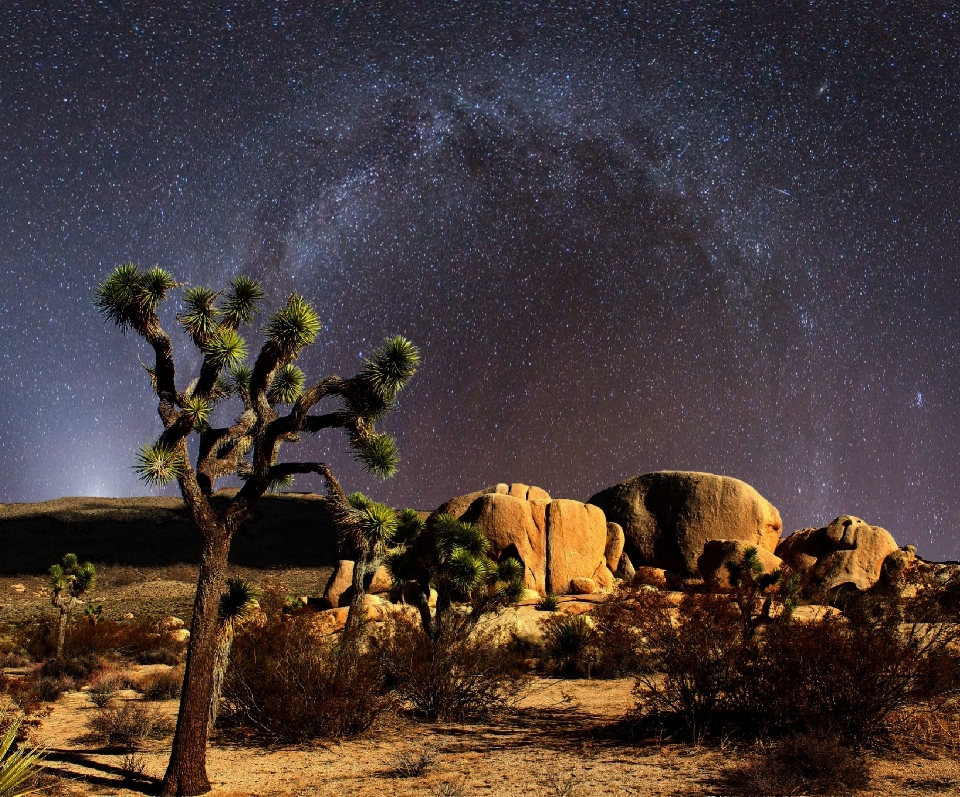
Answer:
[(627, 237)]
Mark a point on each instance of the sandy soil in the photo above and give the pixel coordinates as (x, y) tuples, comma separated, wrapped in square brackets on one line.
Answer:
[(562, 733)]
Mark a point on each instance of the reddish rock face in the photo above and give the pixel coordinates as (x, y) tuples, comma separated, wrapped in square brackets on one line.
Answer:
[(668, 517), (557, 540), (847, 551), (716, 553)]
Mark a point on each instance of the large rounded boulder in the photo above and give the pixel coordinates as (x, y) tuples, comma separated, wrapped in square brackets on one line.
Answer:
[(847, 551), (668, 516)]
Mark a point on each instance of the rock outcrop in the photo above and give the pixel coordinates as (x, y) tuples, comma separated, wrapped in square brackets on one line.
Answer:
[(668, 516), (557, 540), (712, 563), (847, 551)]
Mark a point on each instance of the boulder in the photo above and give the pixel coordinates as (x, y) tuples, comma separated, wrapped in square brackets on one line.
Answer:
[(847, 551), (556, 540), (340, 581), (457, 506), (582, 586), (380, 582), (508, 522), (651, 576), (716, 553), (614, 549), (668, 516), (576, 541)]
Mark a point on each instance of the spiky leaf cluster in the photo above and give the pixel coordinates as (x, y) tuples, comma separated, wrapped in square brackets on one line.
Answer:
[(225, 347), (240, 599), (242, 302), (378, 454), (240, 379), (287, 385), (200, 317), (294, 326), (197, 410), (279, 483), (72, 577), (391, 366), (158, 464), (128, 297)]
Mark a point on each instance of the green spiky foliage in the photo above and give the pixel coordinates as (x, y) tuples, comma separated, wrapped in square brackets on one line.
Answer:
[(280, 483), (130, 297), (69, 580), (452, 556), (294, 326), (754, 590), (243, 301), (159, 464), (200, 315), (18, 767), (250, 448), (379, 455), (287, 385), (240, 601), (392, 365)]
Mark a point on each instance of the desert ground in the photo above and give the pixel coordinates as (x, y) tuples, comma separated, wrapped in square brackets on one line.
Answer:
[(564, 738)]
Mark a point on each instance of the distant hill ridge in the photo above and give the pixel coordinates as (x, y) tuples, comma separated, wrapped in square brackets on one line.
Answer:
[(288, 530)]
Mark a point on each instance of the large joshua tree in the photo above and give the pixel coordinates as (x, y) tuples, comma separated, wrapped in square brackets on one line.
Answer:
[(277, 407)]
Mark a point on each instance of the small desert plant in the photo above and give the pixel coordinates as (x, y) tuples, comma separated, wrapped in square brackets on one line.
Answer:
[(133, 765), (236, 604), (413, 763), (452, 788), (17, 766), (569, 643), (68, 581), (557, 785), (128, 725), (162, 685), (461, 674), (802, 764), (549, 603), (105, 685), (291, 685)]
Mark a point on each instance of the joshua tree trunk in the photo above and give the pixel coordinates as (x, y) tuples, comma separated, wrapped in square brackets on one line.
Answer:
[(61, 630), (187, 770), (221, 661)]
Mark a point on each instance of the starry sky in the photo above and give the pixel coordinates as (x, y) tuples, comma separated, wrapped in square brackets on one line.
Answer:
[(627, 237)]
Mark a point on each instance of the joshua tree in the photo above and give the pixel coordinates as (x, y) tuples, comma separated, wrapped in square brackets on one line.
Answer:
[(130, 298), (68, 581), (452, 556), (752, 586), (236, 604)]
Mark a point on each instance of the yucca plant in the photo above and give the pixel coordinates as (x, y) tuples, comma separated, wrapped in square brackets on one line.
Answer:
[(17, 767), (451, 556), (250, 447), (236, 605), (68, 581)]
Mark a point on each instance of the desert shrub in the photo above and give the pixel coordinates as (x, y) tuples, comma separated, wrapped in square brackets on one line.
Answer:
[(78, 668), (463, 673), (701, 673), (802, 764), (105, 684), (140, 640), (128, 724), (291, 685), (413, 763), (49, 689), (162, 685), (569, 643)]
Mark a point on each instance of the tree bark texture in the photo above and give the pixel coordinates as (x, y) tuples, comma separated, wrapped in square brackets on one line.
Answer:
[(187, 771)]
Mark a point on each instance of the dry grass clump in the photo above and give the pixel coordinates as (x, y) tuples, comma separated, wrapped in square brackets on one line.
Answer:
[(128, 724), (162, 684), (463, 674), (287, 683), (801, 764)]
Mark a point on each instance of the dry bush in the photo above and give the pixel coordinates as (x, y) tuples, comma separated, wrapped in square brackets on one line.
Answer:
[(129, 724), (161, 685), (570, 643), (700, 674), (460, 675), (802, 764), (140, 640), (413, 763), (105, 684), (291, 685)]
